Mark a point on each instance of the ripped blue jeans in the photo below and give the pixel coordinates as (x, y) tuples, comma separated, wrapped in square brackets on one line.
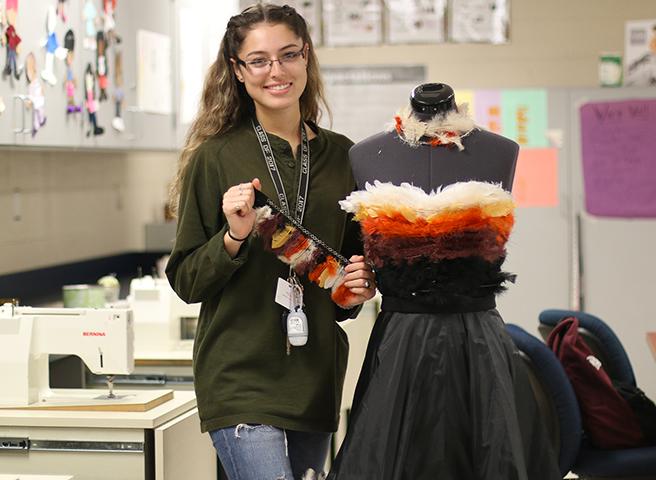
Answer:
[(263, 452)]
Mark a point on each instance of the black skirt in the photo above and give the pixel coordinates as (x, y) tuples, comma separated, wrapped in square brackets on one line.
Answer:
[(444, 396)]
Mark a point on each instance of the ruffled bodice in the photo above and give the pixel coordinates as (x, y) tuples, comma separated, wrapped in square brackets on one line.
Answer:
[(441, 249)]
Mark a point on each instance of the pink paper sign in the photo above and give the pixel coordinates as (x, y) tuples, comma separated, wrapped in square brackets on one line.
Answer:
[(536, 178)]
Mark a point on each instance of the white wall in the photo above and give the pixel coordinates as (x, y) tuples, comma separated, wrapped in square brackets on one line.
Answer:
[(58, 207), (552, 44)]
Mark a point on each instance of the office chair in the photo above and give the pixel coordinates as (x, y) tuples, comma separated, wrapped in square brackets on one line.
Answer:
[(593, 463), (554, 394), (602, 341)]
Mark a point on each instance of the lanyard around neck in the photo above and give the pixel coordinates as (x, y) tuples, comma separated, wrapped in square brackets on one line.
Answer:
[(304, 179)]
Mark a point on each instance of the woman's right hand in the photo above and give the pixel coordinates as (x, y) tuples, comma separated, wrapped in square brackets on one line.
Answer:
[(238, 209)]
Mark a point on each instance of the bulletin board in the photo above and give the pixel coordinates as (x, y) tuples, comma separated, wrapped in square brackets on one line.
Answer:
[(618, 145), (364, 98)]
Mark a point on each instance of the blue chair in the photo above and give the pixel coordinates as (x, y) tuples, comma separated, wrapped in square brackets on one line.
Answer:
[(592, 463), (554, 394), (599, 337)]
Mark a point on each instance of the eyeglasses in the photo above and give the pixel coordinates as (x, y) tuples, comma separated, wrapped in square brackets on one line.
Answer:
[(261, 66)]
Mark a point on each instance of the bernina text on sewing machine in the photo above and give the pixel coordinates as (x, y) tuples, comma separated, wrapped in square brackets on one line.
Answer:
[(102, 338)]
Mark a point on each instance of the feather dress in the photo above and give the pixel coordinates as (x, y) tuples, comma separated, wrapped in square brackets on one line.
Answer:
[(443, 393)]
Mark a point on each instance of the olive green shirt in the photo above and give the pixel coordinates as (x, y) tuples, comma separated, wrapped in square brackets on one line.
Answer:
[(242, 373)]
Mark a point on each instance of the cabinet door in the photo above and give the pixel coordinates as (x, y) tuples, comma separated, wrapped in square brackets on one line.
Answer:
[(181, 448), (616, 254), (17, 122), (143, 129), (199, 28)]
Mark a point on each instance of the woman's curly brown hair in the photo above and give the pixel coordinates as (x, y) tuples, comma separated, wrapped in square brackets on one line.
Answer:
[(225, 102)]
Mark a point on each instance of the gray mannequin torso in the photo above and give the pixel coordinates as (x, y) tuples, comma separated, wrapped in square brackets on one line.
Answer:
[(487, 157)]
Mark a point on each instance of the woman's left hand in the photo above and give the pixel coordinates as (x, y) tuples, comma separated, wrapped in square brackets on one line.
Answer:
[(360, 280)]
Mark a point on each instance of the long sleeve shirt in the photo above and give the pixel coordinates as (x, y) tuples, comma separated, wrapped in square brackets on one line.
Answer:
[(242, 373)]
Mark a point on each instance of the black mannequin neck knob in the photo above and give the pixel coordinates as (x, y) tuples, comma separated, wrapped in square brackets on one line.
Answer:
[(430, 99)]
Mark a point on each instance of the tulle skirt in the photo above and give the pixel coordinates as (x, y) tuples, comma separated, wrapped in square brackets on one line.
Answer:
[(442, 397)]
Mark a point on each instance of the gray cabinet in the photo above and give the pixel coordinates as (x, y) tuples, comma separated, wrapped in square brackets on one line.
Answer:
[(142, 130), (162, 443), (616, 254)]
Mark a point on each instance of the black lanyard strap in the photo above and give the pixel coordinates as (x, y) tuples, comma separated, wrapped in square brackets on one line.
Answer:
[(304, 179)]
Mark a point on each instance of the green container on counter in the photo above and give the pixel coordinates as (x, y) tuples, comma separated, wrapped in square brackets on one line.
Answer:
[(83, 296)]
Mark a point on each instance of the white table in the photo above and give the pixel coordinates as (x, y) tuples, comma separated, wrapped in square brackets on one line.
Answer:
[(163, 443)]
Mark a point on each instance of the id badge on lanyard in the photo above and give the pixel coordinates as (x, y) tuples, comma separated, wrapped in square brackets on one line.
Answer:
[(289, 293)]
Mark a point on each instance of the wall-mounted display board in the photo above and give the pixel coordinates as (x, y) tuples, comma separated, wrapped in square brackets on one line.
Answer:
[(363, 99), (618, 145), (74, 80)]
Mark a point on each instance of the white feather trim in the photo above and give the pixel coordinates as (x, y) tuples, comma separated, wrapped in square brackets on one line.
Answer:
[(262, 214), (441, 127), (458, 196)]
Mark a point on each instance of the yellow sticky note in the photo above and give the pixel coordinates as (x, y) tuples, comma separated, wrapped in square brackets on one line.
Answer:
[(466, 96)]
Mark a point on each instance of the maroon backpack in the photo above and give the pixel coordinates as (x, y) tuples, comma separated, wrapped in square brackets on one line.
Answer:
[(607, 418)]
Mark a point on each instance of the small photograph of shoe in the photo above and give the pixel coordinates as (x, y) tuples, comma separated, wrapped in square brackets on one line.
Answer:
[(49, 77), (118, 124)]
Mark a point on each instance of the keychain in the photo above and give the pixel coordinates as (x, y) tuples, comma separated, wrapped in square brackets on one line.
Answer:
[(297, 325)]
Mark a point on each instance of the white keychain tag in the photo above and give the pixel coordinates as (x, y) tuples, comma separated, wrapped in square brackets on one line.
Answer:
[(284, 294)]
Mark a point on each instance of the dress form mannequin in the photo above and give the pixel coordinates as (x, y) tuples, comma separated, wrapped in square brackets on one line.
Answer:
[(385, 157), (442, 392)]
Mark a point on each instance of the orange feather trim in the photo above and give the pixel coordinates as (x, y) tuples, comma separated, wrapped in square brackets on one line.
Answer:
[(399, 124), (325, 270), (341, 295), (395, 224)]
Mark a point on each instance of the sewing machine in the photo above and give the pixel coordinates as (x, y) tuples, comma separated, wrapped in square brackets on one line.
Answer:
[(102, 338), (162, 321)]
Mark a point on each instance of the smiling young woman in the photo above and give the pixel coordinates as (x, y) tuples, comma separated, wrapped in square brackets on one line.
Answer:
[(272, 66), (269, 410)]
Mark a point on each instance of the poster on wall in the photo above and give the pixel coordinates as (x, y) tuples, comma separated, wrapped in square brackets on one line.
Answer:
[(524, 116), (310, 10), (378, 90), (348, 22), (465, 100), (484, 21), (640, 53), (154, 72), (487, 110), (415, 21), (618, 141), (536, 178)]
